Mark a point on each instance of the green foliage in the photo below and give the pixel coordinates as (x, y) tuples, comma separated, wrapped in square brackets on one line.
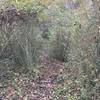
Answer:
[(59, 90), (23, 41), (46, 34), (69, 40), (60, 48), (26, 5)]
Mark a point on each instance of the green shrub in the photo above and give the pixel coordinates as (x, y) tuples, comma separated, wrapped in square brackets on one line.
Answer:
[(60, 47), (26, 5), (21, 39)]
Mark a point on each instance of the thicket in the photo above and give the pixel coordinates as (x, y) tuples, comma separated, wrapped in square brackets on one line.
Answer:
[(27, 28), (19, 39)]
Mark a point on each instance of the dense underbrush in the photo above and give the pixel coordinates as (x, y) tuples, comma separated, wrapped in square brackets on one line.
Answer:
[(50, 49)]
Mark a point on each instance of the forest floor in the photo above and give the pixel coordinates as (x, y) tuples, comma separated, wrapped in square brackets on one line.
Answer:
[(18, 85), (50, 82)]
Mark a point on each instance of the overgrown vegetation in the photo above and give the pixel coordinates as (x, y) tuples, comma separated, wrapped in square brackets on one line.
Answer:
[(50, 50)]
